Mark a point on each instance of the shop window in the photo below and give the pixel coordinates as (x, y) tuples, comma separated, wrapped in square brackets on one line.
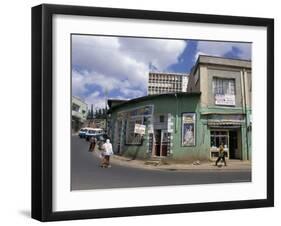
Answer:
[(131, 137), (218, 137)]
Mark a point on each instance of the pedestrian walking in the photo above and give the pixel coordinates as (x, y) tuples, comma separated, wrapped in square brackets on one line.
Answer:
[(107, 152), (221, 155), (93, 142)]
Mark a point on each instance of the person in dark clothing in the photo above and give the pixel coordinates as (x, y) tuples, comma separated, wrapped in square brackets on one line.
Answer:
[(92, 144), (221, 155)]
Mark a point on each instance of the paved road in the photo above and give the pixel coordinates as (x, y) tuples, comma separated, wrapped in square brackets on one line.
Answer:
[(86, 173)]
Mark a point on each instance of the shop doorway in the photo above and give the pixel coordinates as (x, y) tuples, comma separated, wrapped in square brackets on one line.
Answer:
[(160, 143), (230, 138), (234, 152), (157, 143)]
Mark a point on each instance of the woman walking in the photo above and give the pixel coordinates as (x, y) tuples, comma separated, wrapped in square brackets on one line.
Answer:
[(107, 152)]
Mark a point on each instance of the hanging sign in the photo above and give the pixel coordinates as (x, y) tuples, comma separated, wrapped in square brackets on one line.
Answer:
[(139, 129)]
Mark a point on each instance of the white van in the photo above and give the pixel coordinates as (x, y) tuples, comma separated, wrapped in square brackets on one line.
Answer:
[(83, 131), (93, 132)]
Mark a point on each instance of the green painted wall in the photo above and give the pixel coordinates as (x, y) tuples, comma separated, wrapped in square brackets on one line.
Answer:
[(176, 105), (180, 152)]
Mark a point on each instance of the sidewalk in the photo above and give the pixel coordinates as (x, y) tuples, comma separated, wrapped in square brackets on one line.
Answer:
[(232, 165)]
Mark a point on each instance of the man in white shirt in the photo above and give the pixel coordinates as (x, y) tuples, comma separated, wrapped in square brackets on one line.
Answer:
[(108, 151)]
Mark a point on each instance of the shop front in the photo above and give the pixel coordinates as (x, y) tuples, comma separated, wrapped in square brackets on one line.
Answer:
[(138, 126), (231, 140), (160, 135), (160, 126), (130, 127), (227, 130)]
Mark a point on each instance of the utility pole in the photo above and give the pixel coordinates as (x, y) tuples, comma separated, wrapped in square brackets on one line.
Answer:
[(244, 107)]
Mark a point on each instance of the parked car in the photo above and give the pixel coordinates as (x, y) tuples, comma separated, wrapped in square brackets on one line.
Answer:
[(82, 132), (93, 132)]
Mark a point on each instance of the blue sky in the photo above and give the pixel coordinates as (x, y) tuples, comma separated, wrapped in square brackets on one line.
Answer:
[(119, 66)]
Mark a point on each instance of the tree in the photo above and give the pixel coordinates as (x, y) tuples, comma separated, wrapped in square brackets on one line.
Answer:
[(104, 112), (96, 113), (90, 113), (100, 113)]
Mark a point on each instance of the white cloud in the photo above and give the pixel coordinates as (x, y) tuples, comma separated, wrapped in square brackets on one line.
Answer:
[(84, 79), (96, 100), (160, 52), (78, 84), (243, 50), (122, 64)]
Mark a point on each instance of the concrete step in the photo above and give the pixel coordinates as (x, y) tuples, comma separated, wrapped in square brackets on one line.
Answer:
[(156, 161), (153, 162)]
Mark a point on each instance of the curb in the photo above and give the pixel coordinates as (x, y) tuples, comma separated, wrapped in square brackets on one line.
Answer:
[(176, 167)]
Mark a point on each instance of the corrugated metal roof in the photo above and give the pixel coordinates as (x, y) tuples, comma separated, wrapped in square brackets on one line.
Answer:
[(150, 97)]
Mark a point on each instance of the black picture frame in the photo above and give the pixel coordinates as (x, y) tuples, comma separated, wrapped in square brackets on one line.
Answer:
[(42, 107)]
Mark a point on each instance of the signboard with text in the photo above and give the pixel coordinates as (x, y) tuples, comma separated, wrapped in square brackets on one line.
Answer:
[(139, 129), (225, 99)]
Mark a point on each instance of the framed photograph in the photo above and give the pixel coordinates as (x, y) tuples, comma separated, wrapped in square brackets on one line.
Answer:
[(140, 112)]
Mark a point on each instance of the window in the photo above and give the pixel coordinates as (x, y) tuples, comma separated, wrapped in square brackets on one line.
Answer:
[(224, 86), (75, 107), (131, 137), (224, 91), (218, 137), (161, 118)]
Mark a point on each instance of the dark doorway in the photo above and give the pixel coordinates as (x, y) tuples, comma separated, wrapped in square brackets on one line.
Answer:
[(162, 143), (118, 141), (233, 145), (165, 143), (157, 144)]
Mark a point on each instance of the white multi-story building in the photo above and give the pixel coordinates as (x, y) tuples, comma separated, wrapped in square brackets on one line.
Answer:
[(159, 83), (79, 113)]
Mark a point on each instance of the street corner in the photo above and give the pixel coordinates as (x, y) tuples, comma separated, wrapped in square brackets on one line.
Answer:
[(132, 172), (158, 164)]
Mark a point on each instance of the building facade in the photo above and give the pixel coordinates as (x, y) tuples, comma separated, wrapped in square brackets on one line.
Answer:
[(159, 83), (79, 113), (163, 134), (215, 109), (225, 103)]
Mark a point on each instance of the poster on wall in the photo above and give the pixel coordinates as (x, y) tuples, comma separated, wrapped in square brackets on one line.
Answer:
[(188, 129)]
